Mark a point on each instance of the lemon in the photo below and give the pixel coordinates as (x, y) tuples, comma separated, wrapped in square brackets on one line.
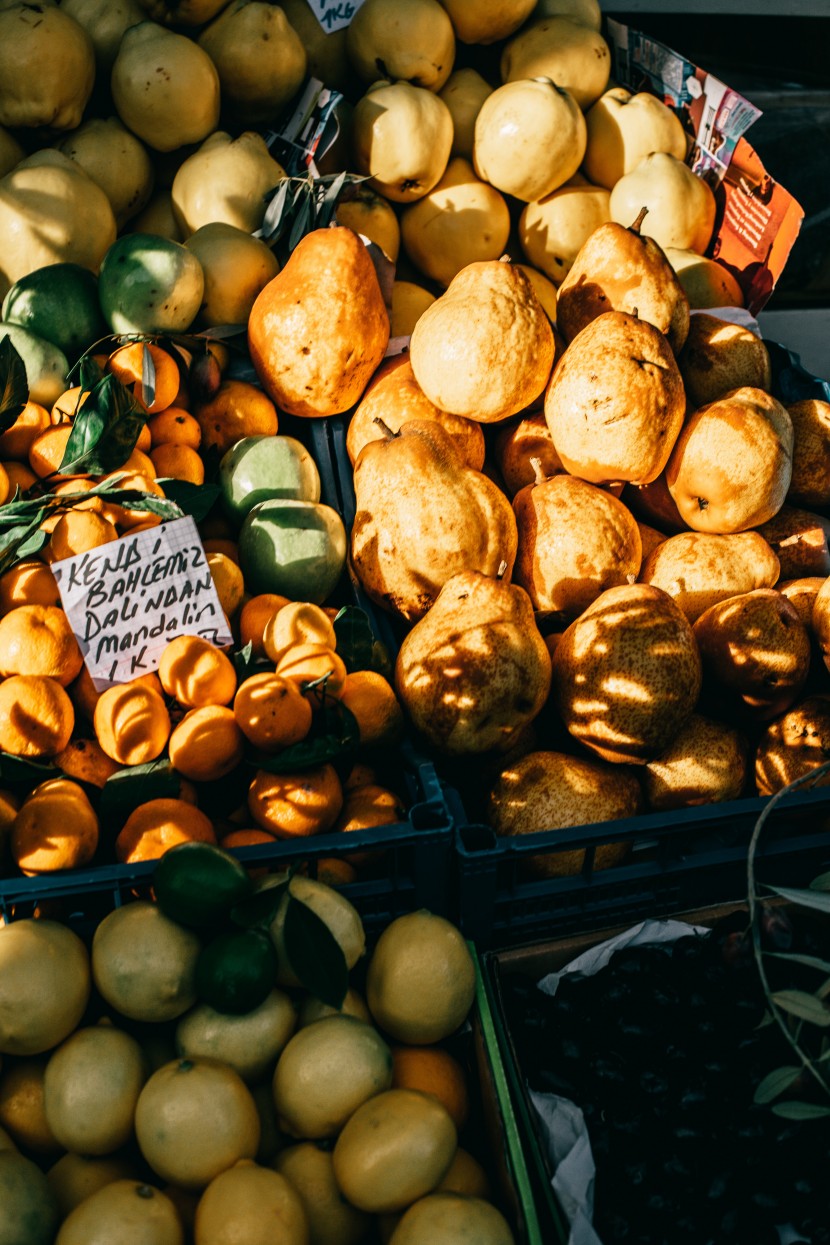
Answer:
[(144, 964), (310, 1171), (249, 1043), (90, 1089), (125, 1212), (450, 1217), (250, 1204), (44, 985), (28, 1209)]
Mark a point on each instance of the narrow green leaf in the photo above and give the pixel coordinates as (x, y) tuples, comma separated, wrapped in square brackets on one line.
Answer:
[(18, 769), (809, 961), (800, 1110), (105, 430), (804, 898), (17, 542), (134, 499), (303, 222), (89, 372), (803, 1005), (14, 384), (259, 910), (272, 222), (775, 1083), (244, 662), (328, 205), (194, 499), (314, 954), (306, 755), (126, 789), (355, 641), (148, 376), (821, 883)]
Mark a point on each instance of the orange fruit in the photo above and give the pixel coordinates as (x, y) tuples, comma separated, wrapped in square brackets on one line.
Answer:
[(85, 760), (196, 672), (85, 696), (433, 1071), (145, 440), (56, 828), (305, 663), (254, 616), (207, 743), (372, 700), (174, 426), (38, 639), (237, 410), (127, 364), (271, 711), (228, 581), (296, 805), (20, 477), (365, 807), (16, 441), (48, 448), (36, 716), (229, 548), (248, 838), (68, 404), (299, 622), (131, 723), (79, 530), (335, 871), (360, 775), (158, 825), (30, 582), (178, 462)]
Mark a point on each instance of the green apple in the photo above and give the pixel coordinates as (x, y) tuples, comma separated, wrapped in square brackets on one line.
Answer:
[(257, 469), (294, 548), (46, 366)]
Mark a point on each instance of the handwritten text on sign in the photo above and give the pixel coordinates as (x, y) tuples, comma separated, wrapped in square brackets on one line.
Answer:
[(334, 14), (127, 600)]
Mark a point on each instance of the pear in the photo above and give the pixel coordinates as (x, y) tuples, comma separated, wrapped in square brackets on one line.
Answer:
[(402, 137), (529, 138), (707, 763), (487, 23), (553, 791), (484, 349), (794, 745), (475, 670), (681, 205), (698, 569), (800, 540), (615, 403), (573, 56), (319, 329), (554, 229), (422, 516), (226, 179), (259, 57), (410, 41), (165, 87), (619, 269), (706, 282), (627, 674), (802, 594), (515, 447), (575, 540), (464, 92), (810, 483), (719, 356)]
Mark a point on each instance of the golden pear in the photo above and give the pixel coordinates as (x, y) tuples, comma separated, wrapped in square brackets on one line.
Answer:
[(681, 207), (618, 269), (464, 92), (699, 569), (373, 216), (475, 670), (11, 153), (575, 540), (158, 217), (730, 467), (165, 87), (116, 161), (461, 221), (484, 349), (553, 230), (802, 594), (756, 647), (707, 763), (487, 23), (650, 538), (794, 745), (553, 791), (259, 57), (810, 484), (409, 41), (226, 179), (409, 302), (624, 128), (654, 503), (237, 266), (545, 291), (719, 356), (800, 541), (105, 22), (518, 444), (402, 139), (529, 138), (627, 674), (573, 56), (615, 402), (47, 67), (706, 282), (423, 516), (319, 329), (394, 396)]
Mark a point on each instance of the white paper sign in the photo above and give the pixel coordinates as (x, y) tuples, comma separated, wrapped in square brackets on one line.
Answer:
[(127, 600), (334, 14)]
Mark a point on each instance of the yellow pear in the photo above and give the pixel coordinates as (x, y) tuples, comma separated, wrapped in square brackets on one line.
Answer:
[(706, 282), (719, 356), (475, 670), (810, 484), (47, 67), (518, 444), (319, 329), (681, 207), (236, 267), (402, 139), (371, 214), (484, 349), (623, 129), (553, 230), (259, 57), (165, 87), (584, 12), (543, 288), (707, 763), (225, 180), (409, 302), (460, 221), (158, 217), (793, 745), (487, 23), (105, 22), (529, 138), (698, 569), (573, 56), (423, 516), (404, 40), (116, 161), (464, 92)]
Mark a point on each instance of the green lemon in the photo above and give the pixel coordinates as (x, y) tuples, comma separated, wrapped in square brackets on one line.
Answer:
[(236, 971), (150, 284), (196, 884), (294, 548), (60, 304)]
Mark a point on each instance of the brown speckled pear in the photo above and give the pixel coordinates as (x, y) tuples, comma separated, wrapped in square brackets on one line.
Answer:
[(619, 269), (422, 516), (615, 403), (475, 670), (719, 356), (484, 349), (575, 540), (627, 674), (707, 763), (698, 569), (552, 791), (319, 329), (793, 745), (731, 466), (395, 396)]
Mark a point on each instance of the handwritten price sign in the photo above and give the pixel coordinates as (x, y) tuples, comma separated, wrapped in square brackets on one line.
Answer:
[(128, 599), (334, 14)]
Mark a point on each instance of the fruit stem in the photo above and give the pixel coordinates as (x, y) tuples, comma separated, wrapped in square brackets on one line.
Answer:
[(388, 434), (638, 224), (502, 571), (536, 464)]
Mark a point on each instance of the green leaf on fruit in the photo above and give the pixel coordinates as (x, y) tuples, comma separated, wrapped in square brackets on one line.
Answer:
[(802, 1005), (775, 1084), (148, 377), (821, 883), (134, 785), (314, 954), (105, 430), (90, 372), (355, 641), (800, 1110), (244, 662), (309, 754), (19, 769), (809, 961), (818, 900), (22, 541), (14, 384), (193, 499), (259, 910)]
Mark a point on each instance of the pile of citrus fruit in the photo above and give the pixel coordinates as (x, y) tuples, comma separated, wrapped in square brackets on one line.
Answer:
[(132, 1108)]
